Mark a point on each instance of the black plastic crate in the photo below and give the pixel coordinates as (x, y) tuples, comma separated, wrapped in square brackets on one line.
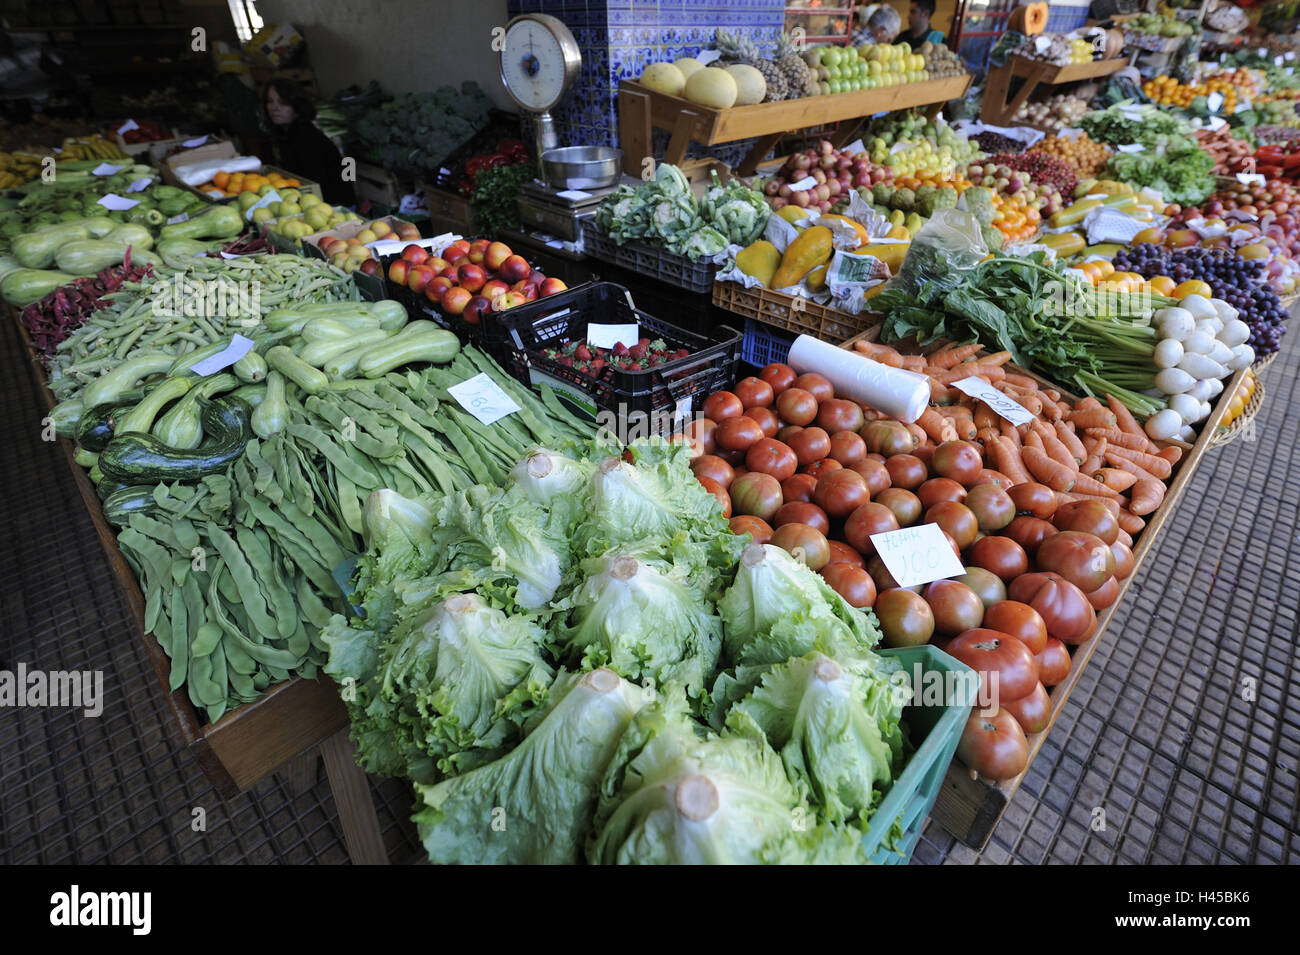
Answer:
[(647, 260), (655, 400)]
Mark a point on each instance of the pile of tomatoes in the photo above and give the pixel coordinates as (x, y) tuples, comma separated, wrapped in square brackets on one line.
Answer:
[(796, 467)]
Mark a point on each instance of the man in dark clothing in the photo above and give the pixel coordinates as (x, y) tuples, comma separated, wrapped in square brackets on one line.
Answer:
[(302, 149), (918, 30)]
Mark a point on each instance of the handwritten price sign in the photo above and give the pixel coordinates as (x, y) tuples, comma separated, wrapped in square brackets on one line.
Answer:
[(483, 398), (981, 390), (917, 555)]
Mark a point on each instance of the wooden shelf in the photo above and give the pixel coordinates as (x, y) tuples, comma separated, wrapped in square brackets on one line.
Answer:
[(998, 110), (640, 109)]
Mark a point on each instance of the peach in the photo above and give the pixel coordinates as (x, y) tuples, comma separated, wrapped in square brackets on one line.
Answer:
[(455, 300), (471, 277), (551, 286), (497, 253), (513, 269)]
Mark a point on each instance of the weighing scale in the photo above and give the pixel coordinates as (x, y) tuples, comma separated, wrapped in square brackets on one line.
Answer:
[(558, 211), (540, 60)]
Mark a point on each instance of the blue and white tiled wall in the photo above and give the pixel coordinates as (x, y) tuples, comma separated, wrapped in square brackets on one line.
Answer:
[(620, 38)]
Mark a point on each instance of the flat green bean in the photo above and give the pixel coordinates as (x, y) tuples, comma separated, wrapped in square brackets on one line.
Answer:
[(241, 573)]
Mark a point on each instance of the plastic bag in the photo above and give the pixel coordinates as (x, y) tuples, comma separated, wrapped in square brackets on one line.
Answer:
[(947, 246)]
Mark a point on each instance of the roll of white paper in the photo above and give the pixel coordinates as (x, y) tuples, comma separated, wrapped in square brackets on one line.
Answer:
[(891, 391)]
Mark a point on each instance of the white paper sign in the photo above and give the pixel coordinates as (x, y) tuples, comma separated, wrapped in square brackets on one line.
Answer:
[(982, 391), (1216, 123), (115, 202), (803, 185), (683, 409), (182, 217), (1278, 61), (1263, 51), (1242, 106), (194, 143), (1131, 148), (483, 398), (897, 148), (105, 169), (1246, 178), (575, 194), (266, 200), (1290, 55), (607, 336), (917, 555), (708, 56), (126, 127), (239, 347), (1214, 101), (854, 147), (140, 185)]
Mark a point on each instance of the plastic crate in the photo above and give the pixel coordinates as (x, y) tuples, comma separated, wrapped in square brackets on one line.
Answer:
[(935, 732), (646, 260), (763, 345), (798, 315), (654, 400)]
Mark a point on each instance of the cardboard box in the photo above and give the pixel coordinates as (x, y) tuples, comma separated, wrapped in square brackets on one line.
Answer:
[(218, 150), (275, 45), (158, 150), (304, 185)]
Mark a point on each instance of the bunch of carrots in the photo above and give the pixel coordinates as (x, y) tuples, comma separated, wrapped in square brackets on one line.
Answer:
[(1082, 451)]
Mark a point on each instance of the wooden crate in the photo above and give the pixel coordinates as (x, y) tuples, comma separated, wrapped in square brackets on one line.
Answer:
[(640, 109), (794, 314), (379, 185), (450, 212), (970, 807), (998, 110)]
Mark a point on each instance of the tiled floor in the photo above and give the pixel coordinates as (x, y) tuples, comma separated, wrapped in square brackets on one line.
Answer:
[(1180, 744)]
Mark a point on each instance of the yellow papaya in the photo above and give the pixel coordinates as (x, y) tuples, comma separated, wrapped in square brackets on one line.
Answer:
[(1074, 214), (898, 231), (816, 279), (811, 249), (891, 253), (1065, 243), (759, 260), (793, 214), (863, 236)]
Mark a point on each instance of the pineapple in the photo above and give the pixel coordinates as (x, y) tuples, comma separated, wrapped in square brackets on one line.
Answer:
[(741, 49), (800, 78)]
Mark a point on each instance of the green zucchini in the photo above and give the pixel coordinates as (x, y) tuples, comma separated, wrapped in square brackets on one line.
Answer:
[(251, 368), (141, 417), (95, 428), (182, 426), (295, 317), (87, 459), (36, 250), (438, 347), (219, 222), (22, 287), (65, 415), (126, 500), (272, 413), (318, 353), (143, 459), (105, 488), (392, 315), (184, 364), (109, 387), (251, 395), (335, 329), (283, 360)]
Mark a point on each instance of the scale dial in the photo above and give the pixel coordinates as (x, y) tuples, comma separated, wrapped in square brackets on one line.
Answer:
[(539, 61)]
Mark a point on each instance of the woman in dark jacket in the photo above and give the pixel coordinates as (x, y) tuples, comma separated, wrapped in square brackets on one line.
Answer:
[(300, 147)]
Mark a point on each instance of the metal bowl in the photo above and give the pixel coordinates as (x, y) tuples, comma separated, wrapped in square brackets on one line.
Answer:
[(582, 167)]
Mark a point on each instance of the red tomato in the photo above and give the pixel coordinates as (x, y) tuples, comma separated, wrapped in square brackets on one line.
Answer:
[(819, 468), (1064, 608), (754, 392), (1091, 517), (874, 472), (1053, 662), (852, 583), (1032, 712), (988, 586), (771, 457), (841, 492), (701, 429), (1021, 621), (956, 607), (1033, 500), (810, 444), (842, 553), (796, 406), (756, 527), (718, 491), (803, 543), (738, 433), (1105, 595), (1029, 532), (992, 506), (870, 518), (756, 494), (1082, 559), (906, 471), (957, 519), (710, 465), (994, 746), (786, 432), (838, 414), (992, 652), (696, 445), (905, 618), (959, 460), (848, 448), (940, 489), (905, 505), (819, 386), (767, 420), (1001, 556), (888, 438), (735, 458), (1123, 560), (798, 512), (779, 376), (722, 405), (800, 487)]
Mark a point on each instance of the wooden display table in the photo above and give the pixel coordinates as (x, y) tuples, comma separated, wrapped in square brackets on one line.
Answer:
[(998, 110), (640, 110)]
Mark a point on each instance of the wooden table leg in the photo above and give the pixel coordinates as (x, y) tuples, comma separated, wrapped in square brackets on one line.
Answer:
[(762, 146), (299, 774), (634, 130), (681, 138), (356, 808)]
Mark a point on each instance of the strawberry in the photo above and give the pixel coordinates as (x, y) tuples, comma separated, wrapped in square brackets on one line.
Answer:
[(637, 350), (620, 349), (634, 366), (597, 366), (583, 353), (565, 360)]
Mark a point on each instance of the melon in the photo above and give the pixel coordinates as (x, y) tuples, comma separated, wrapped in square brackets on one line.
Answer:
[(713, 87), (688, 65), (750, 85), (663, 78)]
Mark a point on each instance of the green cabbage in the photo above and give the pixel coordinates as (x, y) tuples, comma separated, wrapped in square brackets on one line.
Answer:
[(533, 805)]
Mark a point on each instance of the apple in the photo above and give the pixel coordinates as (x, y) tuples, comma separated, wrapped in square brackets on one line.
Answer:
[(437, 288), (415, 254), (497, 253), (509, 300), (454, 253), (471, 277), (478, 250), (455, 299), (364, 236), (462, 244), (370, 267), (381, 229), (552, 286), (513, 269), (525, 288), (449, 272), (329, 243), (407, 232), (417, 277), (494, 288), (477, 306), (397, 271), (436, 262), (536, 277)]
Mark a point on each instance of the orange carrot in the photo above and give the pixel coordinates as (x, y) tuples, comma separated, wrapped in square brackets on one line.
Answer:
[(984, 416), (1124, 464), (1124, 418), (954, 354), (1171, 453), (987, 435), (937, 426), (957, 411), (1157, 466), (941, 394), (1086, 403), (1021, 381), (1130, 522), (997, 358), (1096, 454), (1118, 438), (1124, 538), (993, 373), (1092, 418), (1031, 439), (914, 362), (1052, 473), (1052, 444), (1084, 484), (1007, 457), (1027, 400), (1010, 431), (1115, 478), (880, 353), (919, 433), (1146, 496), (1071, 441)]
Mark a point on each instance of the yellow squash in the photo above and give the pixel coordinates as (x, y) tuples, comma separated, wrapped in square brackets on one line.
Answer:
[(811, 249), (759, 260)]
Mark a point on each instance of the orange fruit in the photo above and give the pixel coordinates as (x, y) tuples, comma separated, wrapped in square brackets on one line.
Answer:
[(221, 179), (1191, 287)]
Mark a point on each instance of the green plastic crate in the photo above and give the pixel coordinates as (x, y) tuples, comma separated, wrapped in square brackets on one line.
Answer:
[(935, 731)]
